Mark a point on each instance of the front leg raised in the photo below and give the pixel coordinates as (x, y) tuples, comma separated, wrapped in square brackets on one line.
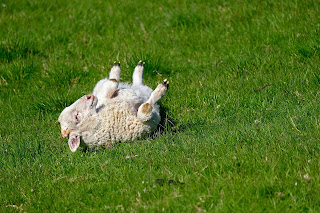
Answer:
[(112, 84), (137, 77), (115, 72), (106, 88)]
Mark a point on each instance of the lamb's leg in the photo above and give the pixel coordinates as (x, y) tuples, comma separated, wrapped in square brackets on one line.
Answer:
[(106, 88), (115, 72), (112, 84), (137, 77), (145, 110)]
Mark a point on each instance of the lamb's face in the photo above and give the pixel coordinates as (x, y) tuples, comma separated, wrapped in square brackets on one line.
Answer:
[(74, 116)]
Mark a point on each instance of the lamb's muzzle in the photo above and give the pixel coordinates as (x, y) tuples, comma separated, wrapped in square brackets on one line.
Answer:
[(65, 132)]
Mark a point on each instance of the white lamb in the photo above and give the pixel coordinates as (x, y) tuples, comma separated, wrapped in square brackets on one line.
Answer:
[(115, 112)]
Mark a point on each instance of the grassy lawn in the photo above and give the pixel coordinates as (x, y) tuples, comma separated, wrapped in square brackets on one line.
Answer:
[(240, 128)]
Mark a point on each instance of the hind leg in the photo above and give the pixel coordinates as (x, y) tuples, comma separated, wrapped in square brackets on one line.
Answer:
[(137, 77), (147, 109)]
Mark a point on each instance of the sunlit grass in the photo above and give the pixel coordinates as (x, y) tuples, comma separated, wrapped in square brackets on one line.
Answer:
[(240, 127)]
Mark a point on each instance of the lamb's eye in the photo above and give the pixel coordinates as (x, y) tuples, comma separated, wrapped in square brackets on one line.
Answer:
[(77, 117)]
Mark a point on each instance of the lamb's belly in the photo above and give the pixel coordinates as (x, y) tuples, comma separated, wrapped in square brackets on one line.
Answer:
[(128, 130), (119, 125), (124, 132)]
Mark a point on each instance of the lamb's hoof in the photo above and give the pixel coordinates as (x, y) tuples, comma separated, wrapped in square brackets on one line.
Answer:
[(116, 64), (165, 83), (160, 90), (141, 63)]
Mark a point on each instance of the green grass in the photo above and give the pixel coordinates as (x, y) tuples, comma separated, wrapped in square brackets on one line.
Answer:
[(241, 119)]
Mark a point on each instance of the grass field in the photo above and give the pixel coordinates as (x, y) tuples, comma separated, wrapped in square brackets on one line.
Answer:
[(241, 119)]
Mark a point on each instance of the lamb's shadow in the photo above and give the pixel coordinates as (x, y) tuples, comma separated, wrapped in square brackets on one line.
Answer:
[(167, 124)]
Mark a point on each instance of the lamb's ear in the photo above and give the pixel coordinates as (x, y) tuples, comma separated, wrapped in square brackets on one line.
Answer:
[(74, 141)]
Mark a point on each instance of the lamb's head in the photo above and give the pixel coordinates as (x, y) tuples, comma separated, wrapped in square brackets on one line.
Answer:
[(77, 118)]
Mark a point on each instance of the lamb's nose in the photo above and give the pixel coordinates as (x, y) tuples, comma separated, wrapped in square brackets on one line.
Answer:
[(65, 133)]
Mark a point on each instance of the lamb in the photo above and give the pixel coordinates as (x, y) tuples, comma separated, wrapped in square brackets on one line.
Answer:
[(114, 112)]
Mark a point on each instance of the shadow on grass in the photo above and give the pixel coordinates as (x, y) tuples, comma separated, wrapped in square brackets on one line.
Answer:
[(168, 124)]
